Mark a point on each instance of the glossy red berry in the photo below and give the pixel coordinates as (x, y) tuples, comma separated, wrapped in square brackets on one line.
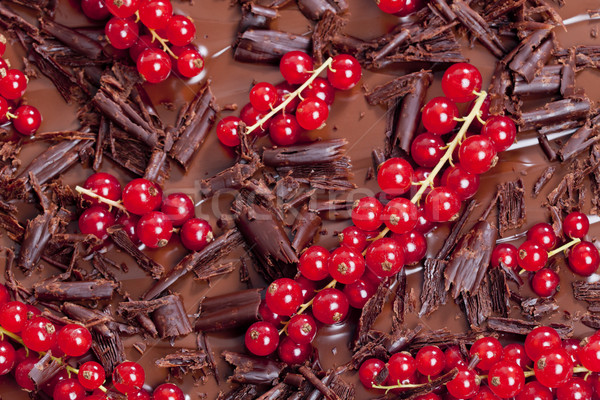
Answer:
[(501, 131), (263, 96), (95, 9), (284, 296), (506, 254), (369, 371), (314, 263), (155, 14), (180, 30), (366, 213), (7, 357), (462, 182), (391, 6), (129, 225), (284, 91), (284, 130), (488, 350), (439, 115), (4, 109), (424, 226), (144, 42), (13, 85), (584, 258), (485, 393), (589, 355), (531, 256), (4, 295), (461, 81), (545, 282), (421, 175), (413, 245), (91, 375), (267, 315), (227, 131), (68, 389), (344, 72), (353, 237), (515, 352), (441, 204), (168, 391), (477, 154), (384, 257), (400, 215), (506, 379), (13, 316), (22, 371), (74, 340), (95, 221), (465, 385), (296, 67), (454, 359), (576, 225), (575, 389), (190, 63), (141, 196), (104, 185), (138, 394), (401, 366), (121, 33), (321, 89), (128, 376), (250, 116), (330, 306), (554, 368), (572, 347), (359, 292), (542, 234), (196, 234), (302, 329), (541, 340), (311, 113), (395, 176), (122, 8), (430, 360), (39, 334), (28, 120), (535, 391), (154, 65), (179, 207), (154, 229), (346, 265), (262, 338)]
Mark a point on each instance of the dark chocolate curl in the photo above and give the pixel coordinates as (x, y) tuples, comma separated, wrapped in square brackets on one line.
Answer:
[(74, 291), (557, 111), (268, 46), (45, 369), (305, 154), (75, 40), (314, 9), (581, 140), (546, 83), (478, 27), (255, 370), (37, 234), (392, 90), (410, 111), (121, 239), (305, 228), (228, 311), (171, 319), (532, 54)]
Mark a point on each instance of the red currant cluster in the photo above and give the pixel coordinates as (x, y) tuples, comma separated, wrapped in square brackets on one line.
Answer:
[(148, 43), (299, 103), (533, 254), (138, 203), (554, 365), (25, 119), (400, 8)]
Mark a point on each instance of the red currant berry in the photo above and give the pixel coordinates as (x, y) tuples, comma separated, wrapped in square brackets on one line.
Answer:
[(296, 67), (439, 115), (129, 225), (250, 116), (353, 237), (454, 359), (590, 355), (489, 351), (477, 154), (532, 257), (180, 30), (501, 131), (293, 353), (302, 329), (571, 346), (138, 394), (155, 14), (359, 292), (22, 371), (284, 296), (311, 113), (400, 215), (461, 81), (154, 229), (441, 204), (427, 149), (168, 391), (121, 33), (575, 389), (307, 287), (196, 234), (462, 182), (104, 185), (542, 234), (430, 360), (13, 85), (554, 368), (39, 334), (584, 258), (413, 245), (284, 130), (484, 113), (330, 306), (28, 120), (269, 316), (369, 371), (179, 207), (4, 295), (535, 391), (227, 131), (128, 376), (4, 108), (395, 176), (384, 257), (91, 375), (313, 263), (506, 254), (391, 6), (515, 352), (576, 225), (344, 72), (465, 385), (95, 221), (7, 357), (424, 225), (506, 379), (95, 9), (261, 338), (74, 340), (190, 63), (321, 89), (154, 65), (421, 175), (485, 393), (13, 316), (366, 213), (346, 265), (122, 8), (263, 96), (540, 340), (144, 42), (284, 90), (545, 282), (401, 366), (141, 196)]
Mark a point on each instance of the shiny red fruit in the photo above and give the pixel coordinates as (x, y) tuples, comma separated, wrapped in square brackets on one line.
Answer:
[(439, 115), (330, 306), (506, 379), (584, 258), (141, 196), (311, 113), (128, 376), (461, 82), (95, 221), (154, 229), (179, 207), (262, 338), (296, 67), (227, 131), (196, 234), (384, 257), (501, 131), (395, 176), (313, 263), (346, 265), (284, 296), (441, 204), (344, 72)]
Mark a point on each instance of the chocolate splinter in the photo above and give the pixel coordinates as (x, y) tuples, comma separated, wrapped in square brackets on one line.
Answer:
[(229, 311), (99, 289), (254, 370), (121, 239)]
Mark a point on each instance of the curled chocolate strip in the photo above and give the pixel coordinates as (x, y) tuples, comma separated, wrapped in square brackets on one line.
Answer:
[(547, 83), (229, 178), (396, 88), (44, 370), (556, 111), (229, 311), (410, 111), (543, 180), (471, 20), (369, 314), (511, 206), (254, 370), (305, 228), (323, 34), (256, 17), (268, 46), (171, 319), (581, 140), (315, 9), (532, 54), (121, 239), (75, 40), (99, 289), (304, 154)]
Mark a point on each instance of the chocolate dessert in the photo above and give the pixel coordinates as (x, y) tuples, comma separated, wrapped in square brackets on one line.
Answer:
[(154, 207)]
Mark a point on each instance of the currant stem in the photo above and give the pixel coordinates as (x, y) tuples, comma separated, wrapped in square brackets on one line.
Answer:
[(156, 36), (563, 247), (111, 203), (289, 98), (17, 338), (305, 306)]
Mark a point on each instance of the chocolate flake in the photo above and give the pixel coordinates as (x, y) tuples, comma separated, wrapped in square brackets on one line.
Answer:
[(543, 180), (268, 46), (556, 111), (229, 311), (45, 369), (305, 228), (430, 386), (591, 320), (254, 370), (318, 383), (394, 89), (315, 9), (547, 83), (318, 152), (586, 291), (522, 327), (184, 361), (511, 206), (478, 27), (122, 240), (53, 290), (369, 314), (477, 304), (499, 291), (242, 392), (581, 140), (323, 33)]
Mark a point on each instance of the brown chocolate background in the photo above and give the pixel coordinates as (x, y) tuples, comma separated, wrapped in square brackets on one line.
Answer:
[(351, 117)]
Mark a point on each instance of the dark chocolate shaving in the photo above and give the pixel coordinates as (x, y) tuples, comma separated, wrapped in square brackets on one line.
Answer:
[(430, 386), (279, 391), (400, 301), (37, 234), (394, 89), (70, 37), (122, 240), (532, 54), (231, 178), (522, 327), (547, 147), (477, 304), (228, 311), (268, 46), (254, 370), (305, 228), (323, 34), (256, 16), (369, 314), (183, 361), (53, 290), (536, 307), (318, 383), (556, 111), (171, 319), (591, 320), (543, 180), (585, 291), (581, 140), (45, 369), (318, 152), (547, 83), (242, 392), (478, 27), (511, 206), (499, 292), (443, 338), (500, 103), (315, 9)]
